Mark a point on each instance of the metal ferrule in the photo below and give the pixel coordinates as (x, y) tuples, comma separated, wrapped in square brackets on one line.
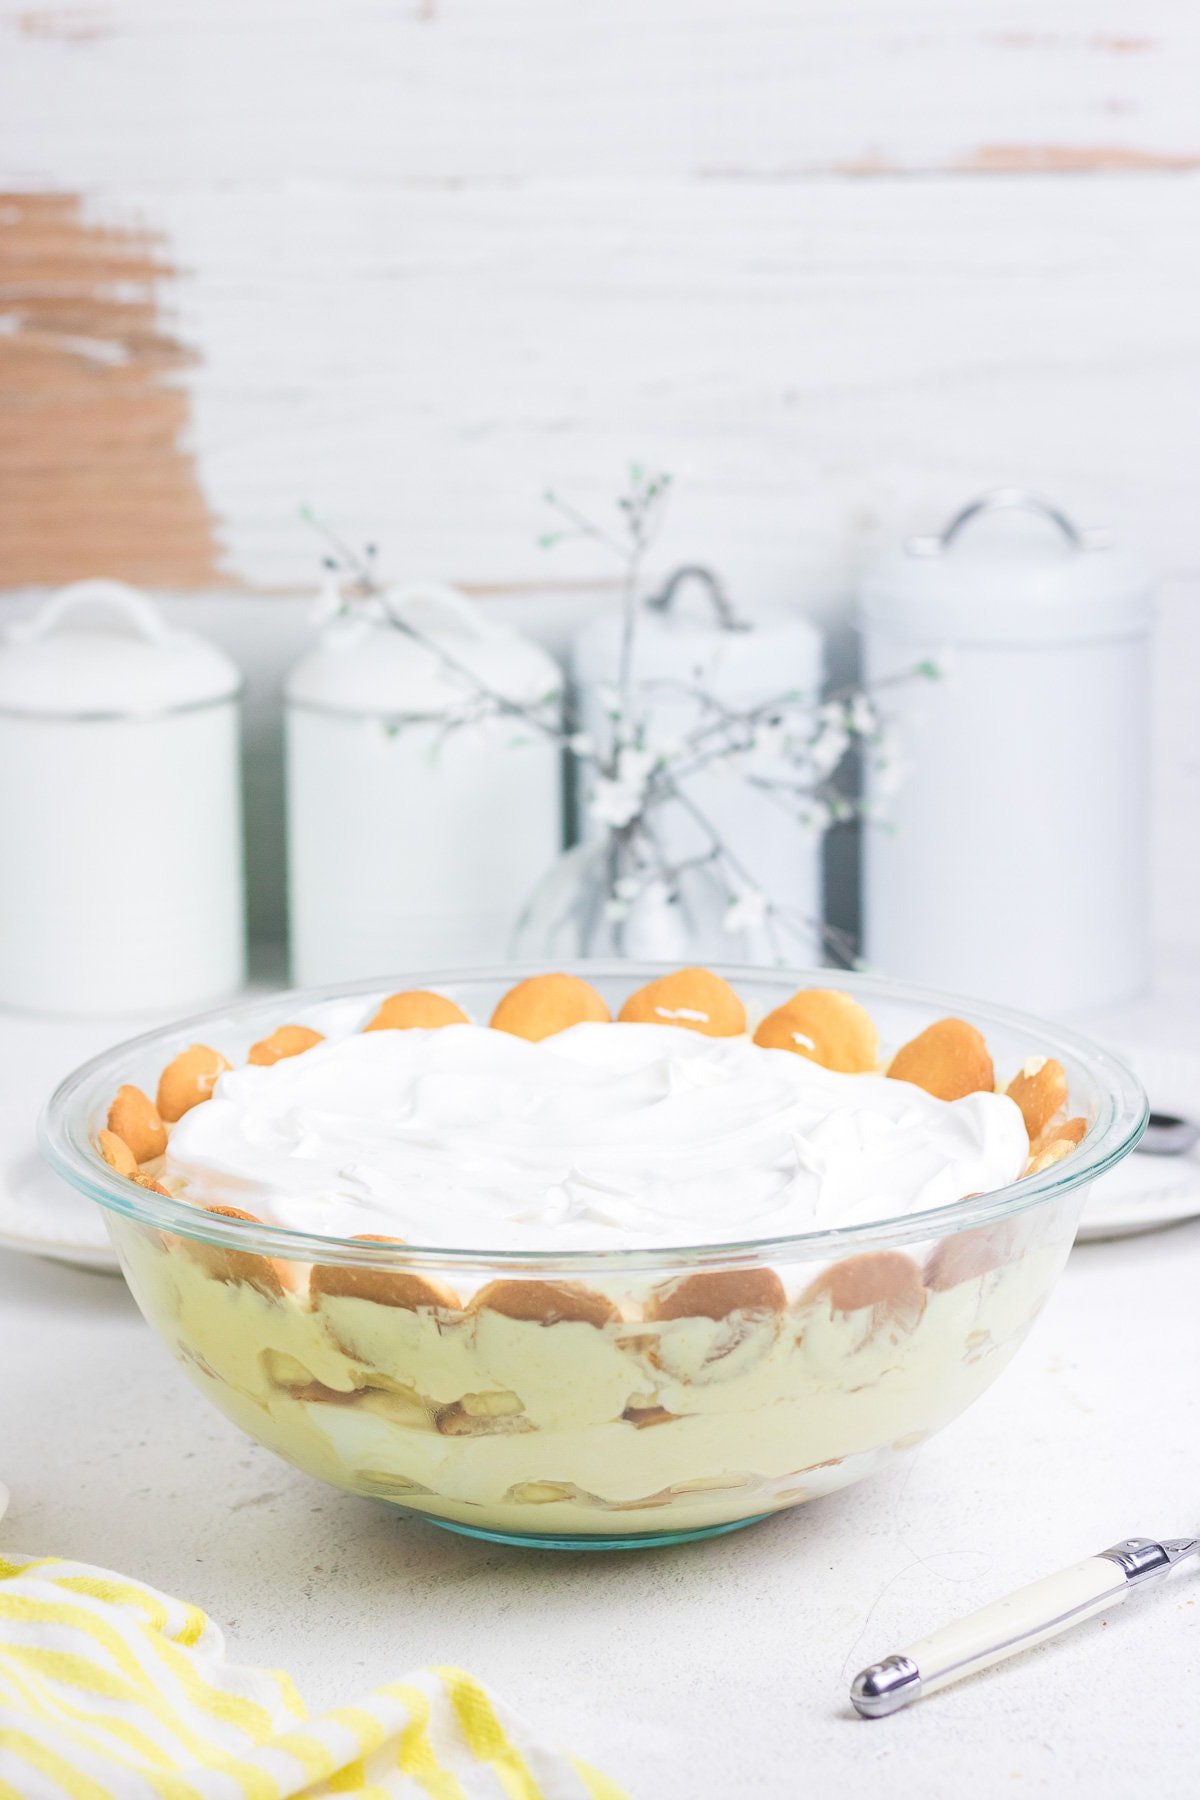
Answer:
[(886, 1686), (1142, 1559)]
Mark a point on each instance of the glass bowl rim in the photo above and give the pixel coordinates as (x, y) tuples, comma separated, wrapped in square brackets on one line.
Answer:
[(1121, 1119)]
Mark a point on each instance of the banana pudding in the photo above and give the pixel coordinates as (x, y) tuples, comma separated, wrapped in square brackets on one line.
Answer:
[(563, 1276)]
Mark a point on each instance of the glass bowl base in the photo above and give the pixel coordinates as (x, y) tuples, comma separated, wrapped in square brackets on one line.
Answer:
[(555, 1540)]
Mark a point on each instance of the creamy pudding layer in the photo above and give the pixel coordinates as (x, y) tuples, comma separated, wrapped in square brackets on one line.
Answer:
[(600, 1137), (640, 1423)]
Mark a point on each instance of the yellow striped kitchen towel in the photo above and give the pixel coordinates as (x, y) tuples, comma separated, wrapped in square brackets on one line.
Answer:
[(110, 1690)]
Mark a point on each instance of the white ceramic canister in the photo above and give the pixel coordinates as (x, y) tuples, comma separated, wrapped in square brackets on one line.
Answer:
[(420, 816), (689, 637), (120, 810), (1015, 859)]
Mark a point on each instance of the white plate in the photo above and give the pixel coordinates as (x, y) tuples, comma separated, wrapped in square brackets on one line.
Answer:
[(41, 1214), (1145, 1193)]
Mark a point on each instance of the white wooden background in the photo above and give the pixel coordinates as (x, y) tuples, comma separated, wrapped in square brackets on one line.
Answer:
[(837, 266)]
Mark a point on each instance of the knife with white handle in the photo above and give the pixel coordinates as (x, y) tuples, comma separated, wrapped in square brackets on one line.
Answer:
[(1016, 1623)]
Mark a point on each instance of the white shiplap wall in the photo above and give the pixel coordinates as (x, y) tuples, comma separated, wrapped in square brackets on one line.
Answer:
[(836, 266)]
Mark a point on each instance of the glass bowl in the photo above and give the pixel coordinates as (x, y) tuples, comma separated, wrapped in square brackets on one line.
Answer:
[(606, 1398)]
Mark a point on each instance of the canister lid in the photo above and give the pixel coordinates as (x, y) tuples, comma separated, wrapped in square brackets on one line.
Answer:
[(102, 650), (1031, 576), (363, 664), (690, 630)]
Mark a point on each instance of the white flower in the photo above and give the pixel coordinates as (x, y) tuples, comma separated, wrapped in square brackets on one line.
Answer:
[(637, 765), (817, 816), (745, 912), (614, 804), (627, 887), (829, 746), (618, 799), (582, 743), (860, 715), (609, 696), (616, 910)]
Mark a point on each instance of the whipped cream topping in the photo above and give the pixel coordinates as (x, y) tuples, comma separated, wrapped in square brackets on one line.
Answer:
[(602, 1137)]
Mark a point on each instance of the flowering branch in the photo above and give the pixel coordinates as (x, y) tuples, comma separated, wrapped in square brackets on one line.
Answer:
[(787, 747)]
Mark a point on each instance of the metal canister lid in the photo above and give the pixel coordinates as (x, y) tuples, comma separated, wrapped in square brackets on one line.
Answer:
[(419, 651), (102, 650), (731, 649), (1035, 578)]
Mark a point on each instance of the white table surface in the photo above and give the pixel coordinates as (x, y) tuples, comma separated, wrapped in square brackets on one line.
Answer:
[(710, 1670)]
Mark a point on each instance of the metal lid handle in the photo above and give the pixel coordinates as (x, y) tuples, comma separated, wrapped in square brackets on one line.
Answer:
[(727, 617), (1006, 499)]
